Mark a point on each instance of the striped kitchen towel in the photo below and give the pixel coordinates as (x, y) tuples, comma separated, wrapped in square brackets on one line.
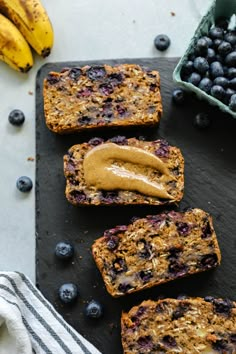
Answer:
[(30, 325)]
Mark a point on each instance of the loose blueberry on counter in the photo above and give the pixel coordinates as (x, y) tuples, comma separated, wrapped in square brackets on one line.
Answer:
[(194, 79), (178, 96), (216, 69), (24, 184), (201, 65), (218, 92), (162, 42), (232, 103), (68, 293), (216, 33), (64, 250), (93, 309), (202, 120), (205, 84), (16, 117), (221, 81)]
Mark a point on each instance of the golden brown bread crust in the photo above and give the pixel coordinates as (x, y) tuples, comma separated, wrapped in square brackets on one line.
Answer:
[(188, 326), (84, 98), (155, 250), (78, 193)]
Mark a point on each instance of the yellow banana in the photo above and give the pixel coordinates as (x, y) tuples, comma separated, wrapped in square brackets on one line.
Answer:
[(32, 20), (14, 50)]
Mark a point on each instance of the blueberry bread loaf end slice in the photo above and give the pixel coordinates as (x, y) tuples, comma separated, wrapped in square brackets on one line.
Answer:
[(101, 96), (124, 171), (156, 249), (190, 326)]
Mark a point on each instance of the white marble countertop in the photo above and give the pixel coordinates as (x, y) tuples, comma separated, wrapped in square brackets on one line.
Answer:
[(84, 30)]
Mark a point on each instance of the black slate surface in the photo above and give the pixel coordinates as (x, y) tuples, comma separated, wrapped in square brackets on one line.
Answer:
[(210, 166)]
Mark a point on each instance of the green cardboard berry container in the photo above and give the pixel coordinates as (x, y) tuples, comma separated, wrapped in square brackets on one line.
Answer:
[(218, 8)]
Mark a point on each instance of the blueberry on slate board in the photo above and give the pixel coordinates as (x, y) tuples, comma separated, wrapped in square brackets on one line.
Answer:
[(64, 250), (202, 120), (16, 117), (68, 293), (232, 103), (162, 42), (24, 184), (93, 309), (178, 96)]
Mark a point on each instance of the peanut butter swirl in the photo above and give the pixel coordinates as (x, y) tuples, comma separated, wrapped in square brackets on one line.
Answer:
[(110, 166)]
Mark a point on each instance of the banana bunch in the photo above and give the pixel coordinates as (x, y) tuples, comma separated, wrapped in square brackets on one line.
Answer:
[(23, 22)]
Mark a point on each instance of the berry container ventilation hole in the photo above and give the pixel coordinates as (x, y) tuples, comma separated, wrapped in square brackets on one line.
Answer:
[(218, 8)]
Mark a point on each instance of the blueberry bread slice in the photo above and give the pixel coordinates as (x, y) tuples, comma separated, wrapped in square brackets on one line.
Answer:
[(124, 171), (156, 249), (78, 99), (189, 326)]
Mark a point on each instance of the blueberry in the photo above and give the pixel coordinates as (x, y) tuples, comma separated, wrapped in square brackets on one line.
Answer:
[(202, 46), (228, 93), (222, 22), (53, 79), (216, 33), (145, 343), (187, 68), (96, 73), (178, 96), (124, 287), (202, 120), (201, 65), (222, 306), (221, 81), (194, 79), (230, 59), (84, 120), (169, 341), (218, 92), (16, 117), (209, 298), (232, 103), (75, 73), (119, 139), (230, 37), (219, 58), (24, 184), (209, 260), (93, 309), (221, 346), (68, 293), (106, 89), (205, 85), (224, 48), (216, 43), (209, 40), (162, 42), (232, 83), (231, 73), (64, 250), (95, 141), (145, 275), (211, 54), (216, 69), (183, 228)]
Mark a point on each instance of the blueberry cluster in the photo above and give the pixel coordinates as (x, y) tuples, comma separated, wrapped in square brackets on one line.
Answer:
[(212, 65)]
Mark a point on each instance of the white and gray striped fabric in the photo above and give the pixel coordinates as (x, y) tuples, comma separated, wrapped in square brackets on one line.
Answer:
[(30, 325)]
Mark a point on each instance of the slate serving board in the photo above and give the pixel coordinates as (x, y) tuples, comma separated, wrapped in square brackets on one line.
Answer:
[(210, 166)]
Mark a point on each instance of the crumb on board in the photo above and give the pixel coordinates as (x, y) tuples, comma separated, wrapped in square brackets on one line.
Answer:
[(30, 158), (30, 93), (173, 13)]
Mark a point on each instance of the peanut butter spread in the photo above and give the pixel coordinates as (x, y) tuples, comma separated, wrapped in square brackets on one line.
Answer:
[(111, 166)]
